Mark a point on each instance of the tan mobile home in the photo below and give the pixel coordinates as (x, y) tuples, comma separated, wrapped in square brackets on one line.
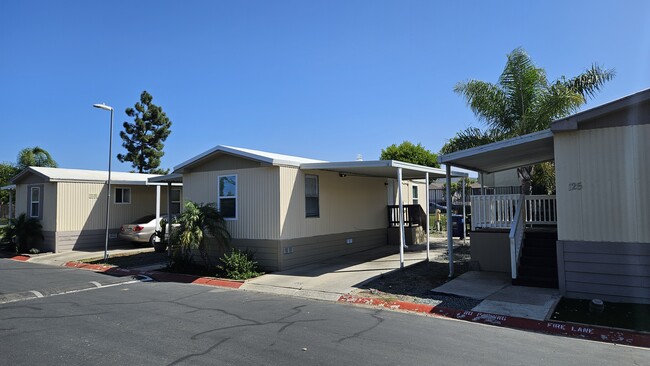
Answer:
[(291, 211), (71, 204)]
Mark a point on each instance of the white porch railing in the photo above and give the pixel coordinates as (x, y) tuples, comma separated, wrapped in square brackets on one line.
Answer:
[(517, 236), (498, 211)]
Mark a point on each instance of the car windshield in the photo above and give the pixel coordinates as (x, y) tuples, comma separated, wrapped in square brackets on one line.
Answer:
[(144, 220)]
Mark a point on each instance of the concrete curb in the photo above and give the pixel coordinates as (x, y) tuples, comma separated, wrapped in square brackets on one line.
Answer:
[(21, 258), (573, 330), (158, 276)]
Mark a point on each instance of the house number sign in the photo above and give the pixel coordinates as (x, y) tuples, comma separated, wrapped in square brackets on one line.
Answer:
[(575, 186)]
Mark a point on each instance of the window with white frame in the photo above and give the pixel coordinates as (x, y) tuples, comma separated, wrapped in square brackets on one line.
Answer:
[(415, 195), (123, 195), (227, 200), (35, 201), (312, 208), (176, 201)]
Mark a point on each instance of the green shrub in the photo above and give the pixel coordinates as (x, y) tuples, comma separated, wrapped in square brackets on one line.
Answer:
[(21, 233), (239, 265)]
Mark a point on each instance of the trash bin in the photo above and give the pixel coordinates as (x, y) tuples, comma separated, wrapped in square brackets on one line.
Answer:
[(457, 223)]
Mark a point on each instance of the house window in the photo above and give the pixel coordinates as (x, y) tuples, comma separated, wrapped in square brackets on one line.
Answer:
[(123, 195), (311, 196), (176, 201), (415, 195), (227, 201), (35, 201)]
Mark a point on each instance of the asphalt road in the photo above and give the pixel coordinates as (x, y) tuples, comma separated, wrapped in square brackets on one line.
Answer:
[(149, 323)]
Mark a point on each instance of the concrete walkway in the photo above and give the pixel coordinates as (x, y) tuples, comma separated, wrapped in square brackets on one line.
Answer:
[(500, 297), (60, 259)]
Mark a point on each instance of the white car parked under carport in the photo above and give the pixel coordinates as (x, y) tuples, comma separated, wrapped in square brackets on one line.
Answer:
[(142, 230)]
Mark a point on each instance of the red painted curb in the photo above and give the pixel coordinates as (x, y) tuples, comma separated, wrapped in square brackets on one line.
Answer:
[(21, 258), (550, 327), (158, 276)]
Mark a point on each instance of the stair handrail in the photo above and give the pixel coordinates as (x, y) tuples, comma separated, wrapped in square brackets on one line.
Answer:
[(517, 235)]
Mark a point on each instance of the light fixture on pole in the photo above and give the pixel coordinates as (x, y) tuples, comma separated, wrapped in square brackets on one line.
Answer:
[(108, 192)]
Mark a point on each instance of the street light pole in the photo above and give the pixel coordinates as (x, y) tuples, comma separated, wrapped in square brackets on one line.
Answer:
[(108, 195)]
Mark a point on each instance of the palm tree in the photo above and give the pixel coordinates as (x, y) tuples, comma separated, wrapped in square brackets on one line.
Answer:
[(523, 101), (35, 156), (201, 225), (23, 232)]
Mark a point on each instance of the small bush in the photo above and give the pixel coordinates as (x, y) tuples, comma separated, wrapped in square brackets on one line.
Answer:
[(239, 265)]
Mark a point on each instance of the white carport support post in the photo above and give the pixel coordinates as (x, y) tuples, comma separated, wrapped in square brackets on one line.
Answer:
[(168, 232), (464, 215), (426, 178), (401, 218), (482, 185), (11, 209), (157, 207), (450, 240)]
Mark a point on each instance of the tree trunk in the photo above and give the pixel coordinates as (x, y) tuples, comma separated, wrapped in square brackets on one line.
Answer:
[(525, 174)]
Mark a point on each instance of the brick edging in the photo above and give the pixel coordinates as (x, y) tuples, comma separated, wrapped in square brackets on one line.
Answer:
[(594, 333), (158, 276)]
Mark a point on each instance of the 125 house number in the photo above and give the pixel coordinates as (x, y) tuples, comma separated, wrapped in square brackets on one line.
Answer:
[(575, 186)]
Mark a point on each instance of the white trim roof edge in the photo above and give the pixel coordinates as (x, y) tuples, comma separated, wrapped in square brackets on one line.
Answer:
[(261, 156)]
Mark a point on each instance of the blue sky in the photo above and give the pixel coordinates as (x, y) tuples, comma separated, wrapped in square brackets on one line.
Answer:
[(319, 79)]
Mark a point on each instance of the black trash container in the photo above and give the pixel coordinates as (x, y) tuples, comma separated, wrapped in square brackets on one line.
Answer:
[(457, 223)]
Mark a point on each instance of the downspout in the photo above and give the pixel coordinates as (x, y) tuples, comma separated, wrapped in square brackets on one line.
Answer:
[(450, 240)]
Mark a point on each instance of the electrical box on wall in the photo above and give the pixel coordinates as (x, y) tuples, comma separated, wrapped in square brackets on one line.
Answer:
[(348, 241)]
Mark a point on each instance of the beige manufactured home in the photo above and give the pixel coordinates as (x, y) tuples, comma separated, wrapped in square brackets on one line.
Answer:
[(71, 204), (291, 211), (596, 228)]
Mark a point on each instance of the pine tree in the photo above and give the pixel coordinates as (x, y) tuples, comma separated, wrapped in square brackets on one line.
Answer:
[(143, 139)]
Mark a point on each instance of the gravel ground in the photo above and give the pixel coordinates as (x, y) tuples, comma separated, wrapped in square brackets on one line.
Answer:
[(415, 283)]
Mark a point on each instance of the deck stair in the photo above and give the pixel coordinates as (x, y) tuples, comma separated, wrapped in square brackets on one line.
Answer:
[(538, 263)]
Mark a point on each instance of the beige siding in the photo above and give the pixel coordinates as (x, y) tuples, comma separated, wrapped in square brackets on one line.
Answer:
[(21, 199), (257, 199), (347, 204), (48, 203), (50, 199), (610, 165), (82, 206), (407, 192)]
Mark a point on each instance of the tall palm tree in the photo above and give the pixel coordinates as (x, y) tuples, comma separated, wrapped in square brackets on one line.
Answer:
[(523, 101), (35, 156)]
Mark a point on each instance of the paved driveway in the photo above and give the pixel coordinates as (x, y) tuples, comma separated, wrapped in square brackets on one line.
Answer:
[(329, 279)]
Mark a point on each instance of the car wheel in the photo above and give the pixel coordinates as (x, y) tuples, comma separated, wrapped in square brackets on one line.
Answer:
[(153, 240)]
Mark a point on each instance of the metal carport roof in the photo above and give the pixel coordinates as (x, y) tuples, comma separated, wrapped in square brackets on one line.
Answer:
[(380, 168), (503, 155)]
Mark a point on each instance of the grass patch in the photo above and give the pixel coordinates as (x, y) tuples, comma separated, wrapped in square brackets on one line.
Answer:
[(616, 315)]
